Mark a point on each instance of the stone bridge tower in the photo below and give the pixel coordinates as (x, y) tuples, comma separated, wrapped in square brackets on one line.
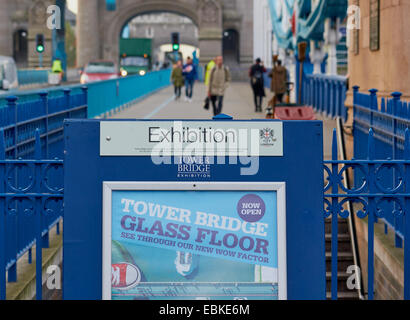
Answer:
[(98, 29), (20, 22)]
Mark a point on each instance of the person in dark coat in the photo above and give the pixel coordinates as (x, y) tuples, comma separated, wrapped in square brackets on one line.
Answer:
[(279, 77), (257, 82)]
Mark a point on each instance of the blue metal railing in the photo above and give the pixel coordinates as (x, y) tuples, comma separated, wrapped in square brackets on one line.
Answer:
[(326, 94), (32, 76), (389, 122), (372, 198), (107, 97), (26, 212), (31, 190), (110, 96)]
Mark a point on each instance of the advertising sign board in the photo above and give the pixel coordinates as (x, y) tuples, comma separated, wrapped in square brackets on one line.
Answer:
[(204, 218), (213, 241)]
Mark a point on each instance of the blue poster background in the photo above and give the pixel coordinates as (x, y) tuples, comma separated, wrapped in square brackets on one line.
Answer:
[(152, 271), (217, 203)]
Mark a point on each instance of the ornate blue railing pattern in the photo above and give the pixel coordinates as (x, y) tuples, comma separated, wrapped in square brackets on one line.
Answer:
[(32, 128), (389, 123), (20, 119), (28, 212), (326, 94), (370, 196)]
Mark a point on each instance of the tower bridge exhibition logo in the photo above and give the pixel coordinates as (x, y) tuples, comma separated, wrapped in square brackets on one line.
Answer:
[(194, 167), (267, 137)]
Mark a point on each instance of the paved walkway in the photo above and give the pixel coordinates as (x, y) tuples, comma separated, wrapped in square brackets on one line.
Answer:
[(328, 126), (238, 103)]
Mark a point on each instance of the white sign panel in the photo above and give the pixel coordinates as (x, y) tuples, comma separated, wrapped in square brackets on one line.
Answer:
[(200, 138)]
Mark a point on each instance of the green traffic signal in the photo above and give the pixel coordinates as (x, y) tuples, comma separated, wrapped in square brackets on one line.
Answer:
[(40, 43), (175, 41)]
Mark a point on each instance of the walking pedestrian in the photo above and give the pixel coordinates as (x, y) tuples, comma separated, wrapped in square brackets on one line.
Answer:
[(177, 79), (208, 70), (279, 77), (219, 80), (190, 73), (257, 82)]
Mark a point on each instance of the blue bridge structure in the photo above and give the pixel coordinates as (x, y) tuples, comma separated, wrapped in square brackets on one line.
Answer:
[(32, 150)]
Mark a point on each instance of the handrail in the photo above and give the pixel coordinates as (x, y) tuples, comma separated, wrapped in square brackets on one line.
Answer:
[(351, 218)]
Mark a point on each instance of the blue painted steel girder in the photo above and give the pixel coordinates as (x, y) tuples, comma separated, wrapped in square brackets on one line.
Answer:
[(284, 37), (111, 5), (310, 21), (311, 25), (58, 35)]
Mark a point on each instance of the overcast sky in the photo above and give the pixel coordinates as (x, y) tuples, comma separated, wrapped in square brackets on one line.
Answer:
[(72, 5)]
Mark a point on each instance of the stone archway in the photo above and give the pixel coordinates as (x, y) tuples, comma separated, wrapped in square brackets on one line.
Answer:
[(112, 34), (99, 30), (231, 45)]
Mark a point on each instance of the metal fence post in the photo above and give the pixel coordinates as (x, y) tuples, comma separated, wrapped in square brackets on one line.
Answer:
[(85, 96), (2, 218), (373, 105), (383, 106), (67, 97), (343, 112), (371, 215), (44, 98), (38, 213), (407, 216), (12, 104), (396, 112), (355, 92), (335, 216)]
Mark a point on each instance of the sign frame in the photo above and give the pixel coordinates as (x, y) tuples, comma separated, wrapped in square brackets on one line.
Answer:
[(174, 137), (278, 187), (85, 171)]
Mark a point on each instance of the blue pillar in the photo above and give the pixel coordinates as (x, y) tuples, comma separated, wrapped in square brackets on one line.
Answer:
[(111, 5), (59, 39)]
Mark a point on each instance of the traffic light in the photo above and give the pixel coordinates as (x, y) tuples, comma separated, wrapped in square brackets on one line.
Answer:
[(40, 43), (175, 41)]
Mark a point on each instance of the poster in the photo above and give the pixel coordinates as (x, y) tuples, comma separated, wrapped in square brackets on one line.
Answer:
[(186, 244)]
